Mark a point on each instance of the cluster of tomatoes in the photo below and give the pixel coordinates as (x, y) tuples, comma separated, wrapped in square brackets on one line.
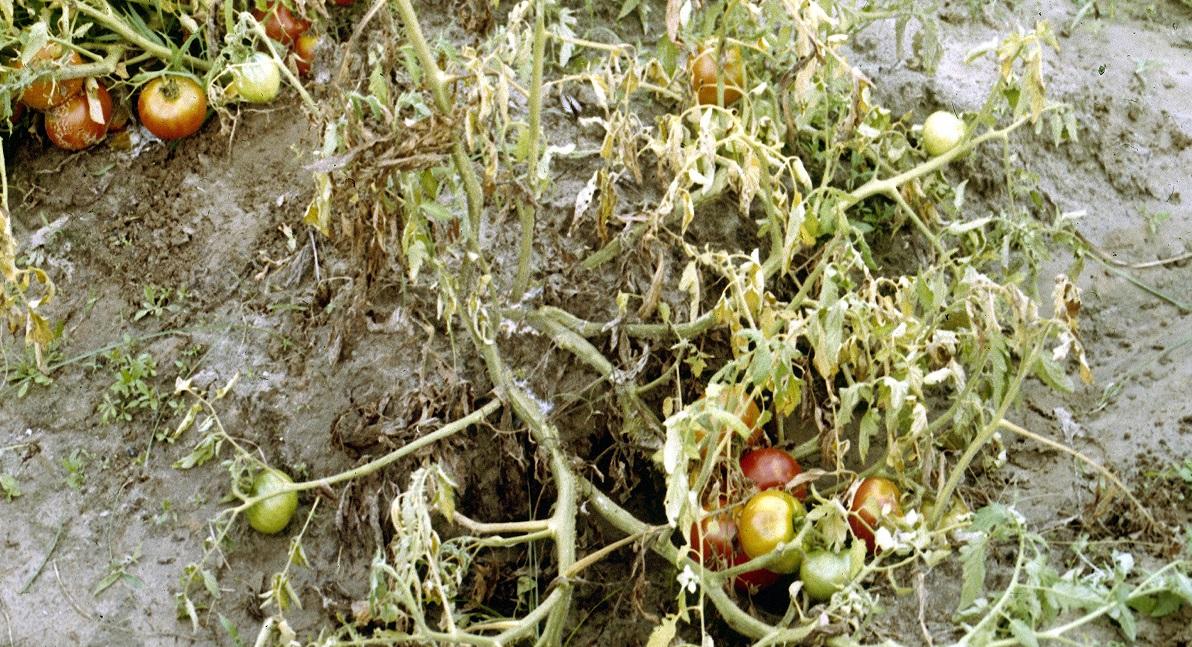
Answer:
[(80, 113), (769, 513)]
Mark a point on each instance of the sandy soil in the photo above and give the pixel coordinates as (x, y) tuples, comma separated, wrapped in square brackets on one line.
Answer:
[(317, 397)]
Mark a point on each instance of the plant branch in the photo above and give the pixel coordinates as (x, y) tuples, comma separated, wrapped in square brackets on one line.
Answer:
[(526, 211)]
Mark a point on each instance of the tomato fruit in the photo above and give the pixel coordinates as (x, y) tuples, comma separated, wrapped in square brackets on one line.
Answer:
[(766, 521), (705, 71), (942, 131), (734, 399), (771, 467), (281, 24), (257, 79), (270, 516), (304, 52), (874, 503), (172, 107), (752, 581), (48, 92), (824, 573), (70, 126), (344, 3), (715, 539)]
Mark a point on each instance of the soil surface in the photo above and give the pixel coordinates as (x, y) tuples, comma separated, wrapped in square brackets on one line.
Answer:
[(219, 216)]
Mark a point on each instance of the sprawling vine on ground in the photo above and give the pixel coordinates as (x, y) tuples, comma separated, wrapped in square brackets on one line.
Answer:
[(884, 324)]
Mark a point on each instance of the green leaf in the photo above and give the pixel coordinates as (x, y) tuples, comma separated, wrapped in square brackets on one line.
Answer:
[(973, 556), (1023, 634), (9, 486), (867, 432), (1052, 374)]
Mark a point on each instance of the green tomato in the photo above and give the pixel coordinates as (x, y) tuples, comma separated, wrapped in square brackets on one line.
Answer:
[(270, 516), (824, 573), (257, 79), (942, 131)]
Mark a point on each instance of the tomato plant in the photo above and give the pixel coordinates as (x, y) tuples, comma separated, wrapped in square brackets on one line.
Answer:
[(771, 467), (172, 107), (271, 515), (304, 52), (942, 131), (257, 79), (735, 400), (705, 72), (752, 581), (49, 92), (281, 24), (824, 572), (874, 502), (73, 125), (766, 521)]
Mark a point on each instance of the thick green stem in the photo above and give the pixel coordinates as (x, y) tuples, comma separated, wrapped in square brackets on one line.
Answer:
[(983, 437), (121, 28), (459, 155), (526, 211)]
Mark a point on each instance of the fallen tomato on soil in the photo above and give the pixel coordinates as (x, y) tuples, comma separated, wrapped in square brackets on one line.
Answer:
[(80, 122), (271, 515), (172, 107), (257, 79)]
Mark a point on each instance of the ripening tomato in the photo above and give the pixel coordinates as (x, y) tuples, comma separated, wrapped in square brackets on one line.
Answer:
[(705, 71), (172, 106), (824, 573), (771, 467), (304, 52), (257, 79), (271, 515), (73, 125), (280, 23), (874, 503), (734, 399), (49, 92), (766, 521), (714, 540), (942, 131)]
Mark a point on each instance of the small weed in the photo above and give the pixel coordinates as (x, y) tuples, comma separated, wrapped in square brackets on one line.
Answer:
[(9, 488), (118, 572), (167, 514), (28, 374), (1155, 220), (158, 301), (74, 466), (132, 392)]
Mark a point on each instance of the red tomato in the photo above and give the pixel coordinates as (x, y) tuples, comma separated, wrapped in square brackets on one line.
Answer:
[(172, 107), (705, 71), (772, 468), (48, 92), (766, 521), (304, 52), (343, 3), (752, 581), (715, 538), (874, 502), (70, 125), (280, 24)]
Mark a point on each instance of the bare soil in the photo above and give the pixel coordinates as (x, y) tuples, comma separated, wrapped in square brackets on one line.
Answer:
[(319, 395)]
